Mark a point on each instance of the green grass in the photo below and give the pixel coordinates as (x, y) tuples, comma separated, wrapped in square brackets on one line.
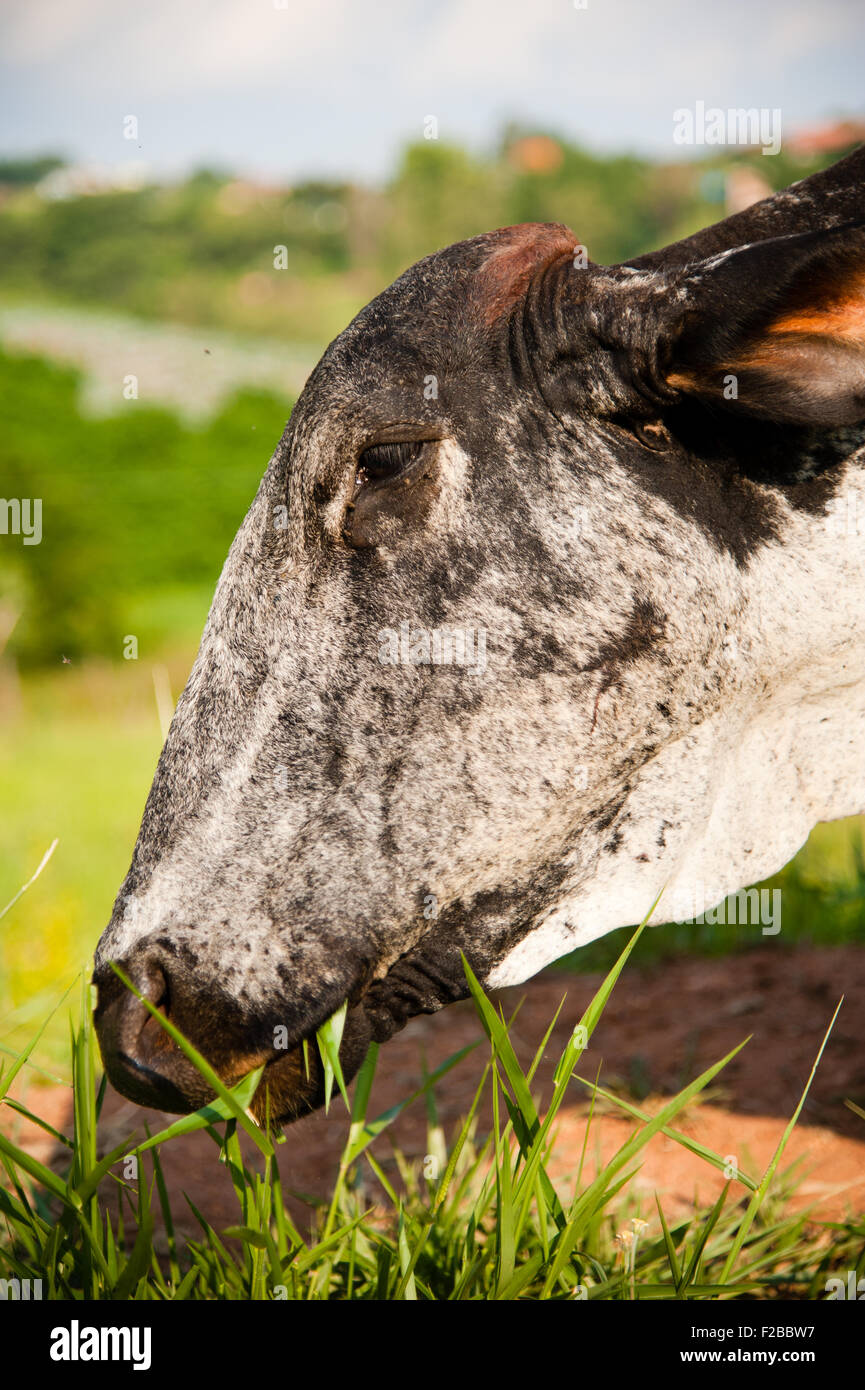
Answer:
[(482, 1219)]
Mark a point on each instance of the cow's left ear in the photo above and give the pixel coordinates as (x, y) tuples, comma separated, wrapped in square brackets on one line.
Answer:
[(776, 329)]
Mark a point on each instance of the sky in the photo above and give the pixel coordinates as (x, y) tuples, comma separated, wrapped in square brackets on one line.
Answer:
[(282, 89)]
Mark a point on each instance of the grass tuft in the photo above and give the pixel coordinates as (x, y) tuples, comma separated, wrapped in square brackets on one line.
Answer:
[(481, 1218)]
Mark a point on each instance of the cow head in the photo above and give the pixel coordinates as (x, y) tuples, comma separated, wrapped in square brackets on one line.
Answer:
[(551, 598)]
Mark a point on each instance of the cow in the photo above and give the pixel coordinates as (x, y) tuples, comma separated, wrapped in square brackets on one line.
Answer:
[(549, 606)]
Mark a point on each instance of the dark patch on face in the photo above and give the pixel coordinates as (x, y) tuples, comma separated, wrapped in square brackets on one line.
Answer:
[(602, 819), (706, 486), (751, 459), (450, 576), (645, 628), (431, 975), (335, 764), (537, 653)]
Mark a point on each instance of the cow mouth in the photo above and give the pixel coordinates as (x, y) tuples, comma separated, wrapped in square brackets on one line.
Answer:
[(145, 1064), (293, 1081)]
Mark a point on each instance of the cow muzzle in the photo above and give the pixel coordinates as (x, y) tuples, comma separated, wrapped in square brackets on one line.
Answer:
[(145, 1064)]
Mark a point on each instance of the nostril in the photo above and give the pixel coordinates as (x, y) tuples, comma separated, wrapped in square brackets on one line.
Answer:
[(120, 1015), (140, 1057), (153, 984), (152, 1037)]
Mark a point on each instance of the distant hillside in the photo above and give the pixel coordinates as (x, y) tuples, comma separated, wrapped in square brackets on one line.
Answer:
[(203, 252)]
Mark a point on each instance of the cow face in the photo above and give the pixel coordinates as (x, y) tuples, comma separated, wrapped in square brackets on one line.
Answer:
[(537, 613)]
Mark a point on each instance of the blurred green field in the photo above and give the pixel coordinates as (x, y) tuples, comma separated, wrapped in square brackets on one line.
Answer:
[(138, 512), (75, 764), (202, 251)]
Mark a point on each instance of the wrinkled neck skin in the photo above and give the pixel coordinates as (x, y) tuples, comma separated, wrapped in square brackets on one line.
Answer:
[(728, 801)]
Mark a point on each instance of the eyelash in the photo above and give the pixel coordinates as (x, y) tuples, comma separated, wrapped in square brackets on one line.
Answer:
[(382, 461)]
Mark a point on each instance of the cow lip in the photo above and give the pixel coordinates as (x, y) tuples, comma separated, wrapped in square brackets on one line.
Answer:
[(147, 1086), (291, 1083), (352, 1002), (305, 1040)]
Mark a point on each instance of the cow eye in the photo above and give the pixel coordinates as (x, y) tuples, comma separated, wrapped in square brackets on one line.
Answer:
[(382, 461)]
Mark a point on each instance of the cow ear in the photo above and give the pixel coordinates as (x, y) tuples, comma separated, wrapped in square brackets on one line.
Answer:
[(776, 329)]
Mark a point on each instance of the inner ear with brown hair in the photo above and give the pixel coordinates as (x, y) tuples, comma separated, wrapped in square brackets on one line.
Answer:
[(776, 329)]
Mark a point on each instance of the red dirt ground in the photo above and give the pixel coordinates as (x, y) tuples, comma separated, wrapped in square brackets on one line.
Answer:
[(660, 1029)]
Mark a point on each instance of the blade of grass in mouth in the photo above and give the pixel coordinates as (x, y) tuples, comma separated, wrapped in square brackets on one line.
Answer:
[(329, 1037)]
